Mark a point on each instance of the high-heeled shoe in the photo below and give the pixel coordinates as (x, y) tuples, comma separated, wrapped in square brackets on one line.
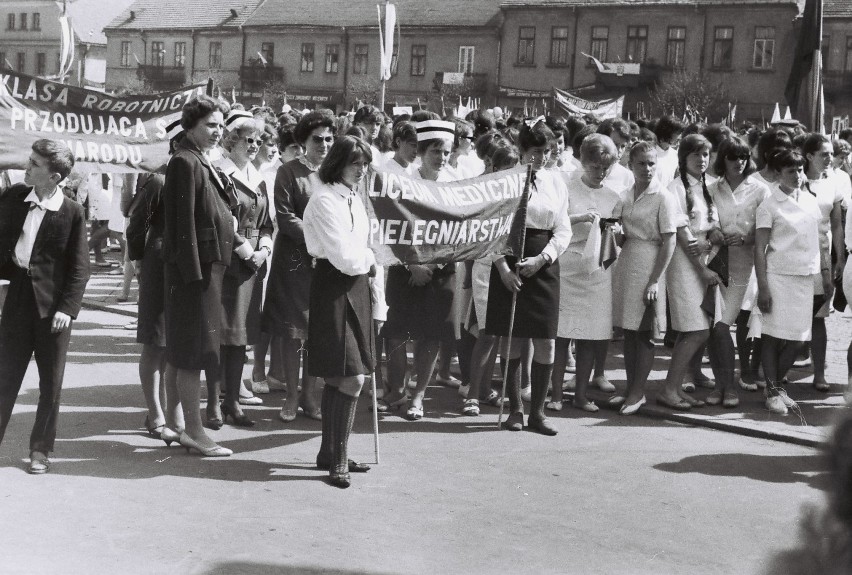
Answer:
[(214, 423), (169, 436), (215, 451), (239, 419), (153, 431)]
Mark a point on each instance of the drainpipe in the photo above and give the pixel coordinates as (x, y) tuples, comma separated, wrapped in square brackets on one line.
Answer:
[(345, 63), (193, 34), (703, 36), (242, 61), (499, 60), (574, 51)]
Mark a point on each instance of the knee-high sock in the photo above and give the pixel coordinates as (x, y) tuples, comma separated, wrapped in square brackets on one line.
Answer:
[(343, 416), (328, 393), (540, 375), (513, 386)]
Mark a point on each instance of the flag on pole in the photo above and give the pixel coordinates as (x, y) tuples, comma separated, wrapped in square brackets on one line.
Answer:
[(776, 115), (787, 115), (809, 43), (66, 50), (386, 30)]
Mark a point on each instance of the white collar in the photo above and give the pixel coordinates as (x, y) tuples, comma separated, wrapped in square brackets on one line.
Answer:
[(52, 203), (250, 178)]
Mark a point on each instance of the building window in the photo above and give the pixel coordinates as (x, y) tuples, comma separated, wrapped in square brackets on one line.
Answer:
[(332, 52), (526, 46), (180, 54), (22, 62), (723, 47), (23, 25), (394, 61), (267, 50), (600, 42), (559, 46), (158, 54), (36, 21), (676, 47), (361, 61), (848, 63), (466, 59), (418, 60), (41, 64), (307, 58), (637, 43), (10, 22), (125, 54), (215, 59), (764, 47)]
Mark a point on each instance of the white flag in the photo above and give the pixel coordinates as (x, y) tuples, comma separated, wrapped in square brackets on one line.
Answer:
[(386, 39)]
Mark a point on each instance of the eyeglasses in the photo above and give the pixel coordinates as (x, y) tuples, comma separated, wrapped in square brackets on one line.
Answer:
[(321, 139), (466, 137), (253, 141)]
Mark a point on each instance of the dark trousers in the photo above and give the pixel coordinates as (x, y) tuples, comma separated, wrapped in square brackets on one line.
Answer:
[(22, 334)]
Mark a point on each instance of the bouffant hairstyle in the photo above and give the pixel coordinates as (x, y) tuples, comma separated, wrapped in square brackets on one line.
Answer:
[(771, 140), (346, 149), (311, 121), (667, 127), (598, 148), (786, 158), (244, 129), (505, 158), (200, 107), (368, 114), (534, 136)]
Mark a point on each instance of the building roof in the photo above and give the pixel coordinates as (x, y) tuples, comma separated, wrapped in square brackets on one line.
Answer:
[(632, 3), (89, 17), (183, 14), (363, 13), (837, 8)]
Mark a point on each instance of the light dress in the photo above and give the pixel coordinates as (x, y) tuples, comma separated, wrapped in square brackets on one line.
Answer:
[(585, 299)]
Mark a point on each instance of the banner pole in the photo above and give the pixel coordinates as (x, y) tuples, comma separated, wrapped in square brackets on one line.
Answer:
[(375, 415), (524, 200)]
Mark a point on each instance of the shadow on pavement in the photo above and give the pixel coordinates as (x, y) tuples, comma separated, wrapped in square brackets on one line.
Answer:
[(243, 568), (811, 470)]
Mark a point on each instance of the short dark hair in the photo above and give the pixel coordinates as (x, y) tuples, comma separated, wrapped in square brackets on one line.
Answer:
[(59, 158), (368, 113), (505, 158), (612, 126), (286, 137), (200, 107), (771, 140), (404, 131), (534, 136), (845, 134), (321, 118), (784, 158), (667, 127), (716, 134), (813, 142), (733, 146), (344, 151), (462, 126)]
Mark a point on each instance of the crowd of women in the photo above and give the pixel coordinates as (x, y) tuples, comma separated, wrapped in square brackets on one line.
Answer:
[(255, 235)]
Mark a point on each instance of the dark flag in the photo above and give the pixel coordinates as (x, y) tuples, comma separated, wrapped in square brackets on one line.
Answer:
[(810, 39)]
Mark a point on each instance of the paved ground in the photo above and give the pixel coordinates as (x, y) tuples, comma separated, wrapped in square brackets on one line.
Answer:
[(610, 494)]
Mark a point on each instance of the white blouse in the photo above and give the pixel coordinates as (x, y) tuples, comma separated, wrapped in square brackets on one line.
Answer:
[(697, 218), (337, 228), (548, 210), (737, 209), (584, 199)]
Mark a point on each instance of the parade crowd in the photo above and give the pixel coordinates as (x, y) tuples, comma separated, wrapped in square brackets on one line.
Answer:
[(253, 239)]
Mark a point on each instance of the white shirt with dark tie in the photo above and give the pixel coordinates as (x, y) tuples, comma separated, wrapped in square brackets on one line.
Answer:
[(32, 223)]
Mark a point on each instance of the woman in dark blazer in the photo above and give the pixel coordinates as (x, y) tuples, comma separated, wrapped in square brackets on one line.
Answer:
[(285, 311), (197, 245)]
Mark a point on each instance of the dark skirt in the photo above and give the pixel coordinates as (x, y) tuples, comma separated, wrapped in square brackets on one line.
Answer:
[(340, 332), (285, 311), (421, 312), (194, 318), (537, 308), (242, 293), (151, 329)]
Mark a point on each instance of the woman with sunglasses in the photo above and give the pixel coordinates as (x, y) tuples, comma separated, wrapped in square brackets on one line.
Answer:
[(736, 196), (285, 312), (242, 288)]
